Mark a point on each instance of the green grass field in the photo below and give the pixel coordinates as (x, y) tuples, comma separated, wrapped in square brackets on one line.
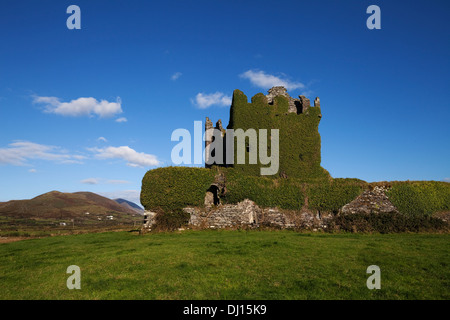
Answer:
[(227, 265)]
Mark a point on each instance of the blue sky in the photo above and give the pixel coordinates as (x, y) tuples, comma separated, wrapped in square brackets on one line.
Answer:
[(94, 109)]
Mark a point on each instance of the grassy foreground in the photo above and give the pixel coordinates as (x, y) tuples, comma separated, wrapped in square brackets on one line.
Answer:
[(227, 265)]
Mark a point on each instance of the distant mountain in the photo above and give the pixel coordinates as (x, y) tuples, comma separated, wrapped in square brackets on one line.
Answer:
[(60, 205), (130, 205)]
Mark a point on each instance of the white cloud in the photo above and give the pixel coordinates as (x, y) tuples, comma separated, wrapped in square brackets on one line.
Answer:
[(71, 162), (117, 182), (102, 139), (123, 119), (90, 181), (133, 165), (267, 81), (446, 179), (19, 152), (103, 181), (204, 101), (135, 159), (80, 107), (176, 75)]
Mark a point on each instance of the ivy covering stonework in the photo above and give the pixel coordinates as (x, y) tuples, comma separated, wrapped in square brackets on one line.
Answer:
[(301, 182), (299, 138)]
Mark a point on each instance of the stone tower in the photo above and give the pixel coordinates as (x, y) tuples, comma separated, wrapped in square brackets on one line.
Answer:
[(297, 122)]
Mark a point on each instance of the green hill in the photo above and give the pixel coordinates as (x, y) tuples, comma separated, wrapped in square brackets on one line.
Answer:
[(59, 205)]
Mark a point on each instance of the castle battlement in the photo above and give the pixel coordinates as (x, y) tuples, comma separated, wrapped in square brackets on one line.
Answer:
[(298, 106)]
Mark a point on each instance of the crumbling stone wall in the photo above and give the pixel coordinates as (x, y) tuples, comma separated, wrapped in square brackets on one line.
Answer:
[(247, 214), (149, 220), (370, 201)]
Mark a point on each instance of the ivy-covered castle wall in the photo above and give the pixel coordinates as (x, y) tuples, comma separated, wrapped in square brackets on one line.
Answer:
[(298, 125)]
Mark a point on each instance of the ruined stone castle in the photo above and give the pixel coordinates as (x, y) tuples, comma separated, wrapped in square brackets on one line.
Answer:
[(299, 158)]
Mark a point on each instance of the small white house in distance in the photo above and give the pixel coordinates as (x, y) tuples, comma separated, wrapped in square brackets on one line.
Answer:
[(109, 217), (62, 224), (87, 213)]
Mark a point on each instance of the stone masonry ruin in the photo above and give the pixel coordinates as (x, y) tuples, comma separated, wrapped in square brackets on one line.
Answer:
[(300, 158)]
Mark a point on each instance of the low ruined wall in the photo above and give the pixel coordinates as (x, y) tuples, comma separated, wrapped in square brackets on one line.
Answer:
[(370, 201), (249, 215)]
